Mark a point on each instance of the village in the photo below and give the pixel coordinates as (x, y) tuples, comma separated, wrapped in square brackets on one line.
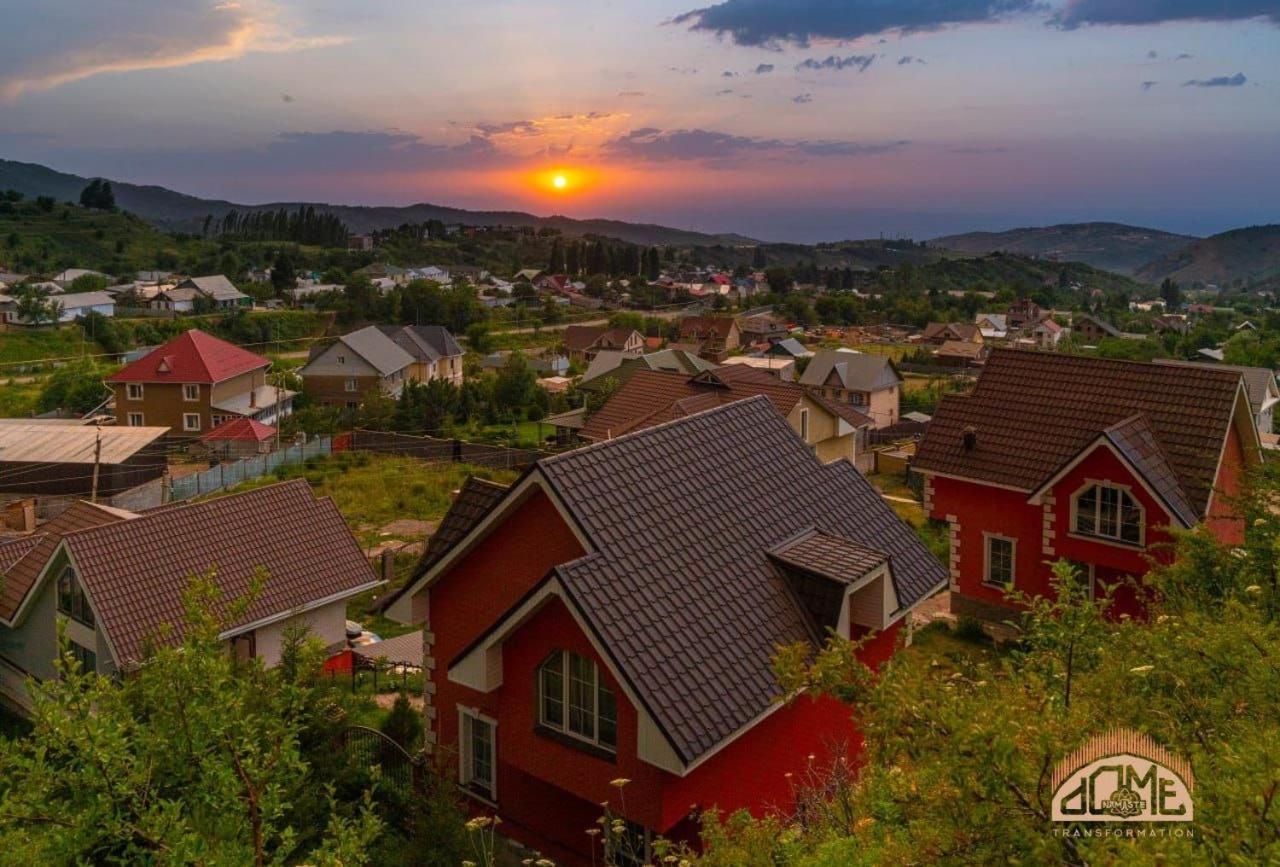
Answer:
[(592, 582)]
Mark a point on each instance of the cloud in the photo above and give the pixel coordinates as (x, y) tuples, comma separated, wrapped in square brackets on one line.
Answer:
[(1147, 85), (683, 70), (907, 59), (1078, 13), (764, 69), (658, 145), (632, 94), (284, 97), (64, 41), (1185, 56), (1152, 55), (859, 61), (376, 151), (1236, 80), (802, 99), (770, 22), (977, 150), (725, 92), (728, 74)]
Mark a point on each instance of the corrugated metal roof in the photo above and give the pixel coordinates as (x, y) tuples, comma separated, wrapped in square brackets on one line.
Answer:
[(66, 444)]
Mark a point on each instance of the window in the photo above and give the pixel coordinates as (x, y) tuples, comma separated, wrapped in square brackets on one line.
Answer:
[(87, 658), (135, 419), (1000, 560), (191, 392), (804, 425), (71, 599), (573, 700), (342, 359), (134, 391), (1107, 512), (191, 421), (352, 384), (477, 752), (219, 419)]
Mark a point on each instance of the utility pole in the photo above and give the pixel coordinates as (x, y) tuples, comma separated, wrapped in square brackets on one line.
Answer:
[(97, 459)]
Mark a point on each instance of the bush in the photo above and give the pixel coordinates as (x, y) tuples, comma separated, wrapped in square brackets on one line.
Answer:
[(404, 724)]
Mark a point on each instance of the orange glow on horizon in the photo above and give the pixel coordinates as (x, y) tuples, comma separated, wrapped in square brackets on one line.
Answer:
[(562, 181)]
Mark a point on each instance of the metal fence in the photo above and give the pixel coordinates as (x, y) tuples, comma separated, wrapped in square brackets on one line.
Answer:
[(233, 473)]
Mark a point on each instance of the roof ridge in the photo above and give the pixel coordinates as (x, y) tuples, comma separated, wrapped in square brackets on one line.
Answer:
[(170, 508), (560, 458), (1094, 359)]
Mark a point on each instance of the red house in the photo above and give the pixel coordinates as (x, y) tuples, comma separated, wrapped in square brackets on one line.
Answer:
[(1085, 459), (615, 612)]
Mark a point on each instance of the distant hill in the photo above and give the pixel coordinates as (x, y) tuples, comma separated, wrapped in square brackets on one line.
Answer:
[(1110, 246), (179, 212), (1251, 255)]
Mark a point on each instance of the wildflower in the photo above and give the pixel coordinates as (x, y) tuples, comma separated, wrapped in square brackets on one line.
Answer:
[(619, 783), (592, 832), (1253, 588), (478, 822), (544, 862), (1141, 669)]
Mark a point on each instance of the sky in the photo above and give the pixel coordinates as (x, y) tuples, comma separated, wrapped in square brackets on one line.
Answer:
[(799, 120)]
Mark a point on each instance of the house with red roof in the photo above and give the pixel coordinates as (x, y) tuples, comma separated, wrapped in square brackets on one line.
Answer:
[(239, 438), (195, 383), (616, 611), (1091, 460)]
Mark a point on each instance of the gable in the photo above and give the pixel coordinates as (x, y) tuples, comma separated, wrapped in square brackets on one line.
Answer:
[(327, 363)]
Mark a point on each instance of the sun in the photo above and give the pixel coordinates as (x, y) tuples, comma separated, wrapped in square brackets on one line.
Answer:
[(560, 182)]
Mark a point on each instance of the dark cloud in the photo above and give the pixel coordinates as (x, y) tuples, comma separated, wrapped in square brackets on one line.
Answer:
[(1152, 55), (659, 145), (907, 59), (683, 70), (764, 69), (376, 151), (858, 61), (284, 97), (770, 22), (1185, 56), (1236, 80), (725, 92), (728, 73), (511, 127), (1147, 85), (1078, 13), (802, 99)]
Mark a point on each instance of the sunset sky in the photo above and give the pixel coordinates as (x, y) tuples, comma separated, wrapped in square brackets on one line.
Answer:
[(782, 119)]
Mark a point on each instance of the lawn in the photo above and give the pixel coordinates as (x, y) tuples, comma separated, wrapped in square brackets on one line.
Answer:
[(937, 645), (18, 399), (932, 533), (528, 434), (35, 344), (894, 350)]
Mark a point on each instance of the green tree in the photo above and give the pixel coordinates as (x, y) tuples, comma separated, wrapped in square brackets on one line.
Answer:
[(193, 758), (75, 388), (36, 308), (98, 195), (514, 386), (284, 276), (403, 724)]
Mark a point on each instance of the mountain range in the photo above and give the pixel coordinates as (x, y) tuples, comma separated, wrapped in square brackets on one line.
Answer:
[(1250, 255), (179, 212), (1110, 246)]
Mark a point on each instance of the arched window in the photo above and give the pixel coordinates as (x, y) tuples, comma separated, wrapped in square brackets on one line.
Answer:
[(1108, 512), (573, 700)]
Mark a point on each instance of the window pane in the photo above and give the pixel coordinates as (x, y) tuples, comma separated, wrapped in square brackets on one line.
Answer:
[(553, 691), (1086, 511), (1108, 512), (481, 755), (1000, 561), (582, 689), (608, 718), (1130, 520)]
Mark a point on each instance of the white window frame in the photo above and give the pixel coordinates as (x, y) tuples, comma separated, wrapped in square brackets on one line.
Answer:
[(351, 385), (466, 777), (987, 539), (562, 727), (134, 391), (186, 421), (186, 394), (1095, 536), (137, 419)]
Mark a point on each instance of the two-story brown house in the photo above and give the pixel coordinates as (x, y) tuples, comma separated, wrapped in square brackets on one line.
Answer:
[(717, 336), (356, 365), (582, 343), (194, 383), (869, 383)]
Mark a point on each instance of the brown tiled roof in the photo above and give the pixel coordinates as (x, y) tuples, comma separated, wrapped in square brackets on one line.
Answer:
[(830, 555), (578, 338), (960, 349), (1032, 412), (652, 397), (962, 330), (135, 571), (13, 550), (1134, 439), (680, 587), (702, 326), (1258, 381), (20, 575)]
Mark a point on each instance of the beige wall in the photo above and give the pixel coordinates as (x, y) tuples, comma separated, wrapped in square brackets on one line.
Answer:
[(823, 432), (884, 407), (327, 623)]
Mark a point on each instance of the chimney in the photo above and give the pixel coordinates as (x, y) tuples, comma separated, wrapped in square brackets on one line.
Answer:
[(970, 438)]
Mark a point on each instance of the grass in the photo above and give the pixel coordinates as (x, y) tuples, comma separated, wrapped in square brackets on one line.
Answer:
[(528, 434), (29, 344), (937, 645), (18, 399), (933, 533), (892, 350)]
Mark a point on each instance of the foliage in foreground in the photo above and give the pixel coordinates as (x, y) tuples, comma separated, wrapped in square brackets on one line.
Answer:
[(198, 759), (961, 747)]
